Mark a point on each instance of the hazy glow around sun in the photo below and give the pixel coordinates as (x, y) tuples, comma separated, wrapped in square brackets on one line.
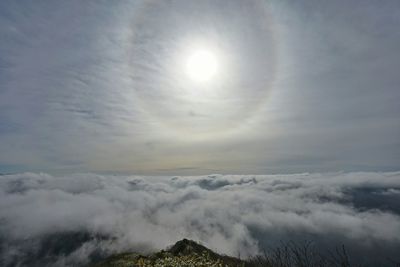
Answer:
[(199, 73), (201, 65)]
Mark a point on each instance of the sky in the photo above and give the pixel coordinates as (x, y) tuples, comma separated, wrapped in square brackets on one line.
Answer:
[(100, 86)]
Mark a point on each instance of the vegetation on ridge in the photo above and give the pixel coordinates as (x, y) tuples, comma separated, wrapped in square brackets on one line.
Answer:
[(188, 253)]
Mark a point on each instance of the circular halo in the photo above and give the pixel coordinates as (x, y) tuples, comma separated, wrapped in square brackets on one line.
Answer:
[(240, 36)]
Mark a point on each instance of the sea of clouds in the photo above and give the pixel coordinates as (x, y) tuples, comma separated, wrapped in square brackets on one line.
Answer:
[(74, 219)]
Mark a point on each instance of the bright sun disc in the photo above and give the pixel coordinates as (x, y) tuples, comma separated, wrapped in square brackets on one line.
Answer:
[(201, 66)]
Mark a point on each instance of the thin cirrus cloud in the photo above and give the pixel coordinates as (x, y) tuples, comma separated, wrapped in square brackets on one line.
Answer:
[(78, 92), (99, 215)]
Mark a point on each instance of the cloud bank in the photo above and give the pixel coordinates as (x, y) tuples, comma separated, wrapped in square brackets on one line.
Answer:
[(69, 220)]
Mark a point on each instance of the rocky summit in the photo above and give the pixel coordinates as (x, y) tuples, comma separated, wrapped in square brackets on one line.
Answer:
[(183, 253)]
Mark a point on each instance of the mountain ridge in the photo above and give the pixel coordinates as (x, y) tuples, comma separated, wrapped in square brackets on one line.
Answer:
[(185, 252)]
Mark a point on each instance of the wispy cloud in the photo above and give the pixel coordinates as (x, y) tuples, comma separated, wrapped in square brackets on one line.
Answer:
[(88, 82)]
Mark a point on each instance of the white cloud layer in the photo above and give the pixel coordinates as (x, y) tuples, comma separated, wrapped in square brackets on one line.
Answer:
[(230, 214)]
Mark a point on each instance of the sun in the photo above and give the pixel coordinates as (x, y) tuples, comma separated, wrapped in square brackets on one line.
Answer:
[(201, 65)]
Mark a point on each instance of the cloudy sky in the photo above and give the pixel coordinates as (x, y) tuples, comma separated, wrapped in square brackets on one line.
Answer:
[(101, 86), (299, 114)]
